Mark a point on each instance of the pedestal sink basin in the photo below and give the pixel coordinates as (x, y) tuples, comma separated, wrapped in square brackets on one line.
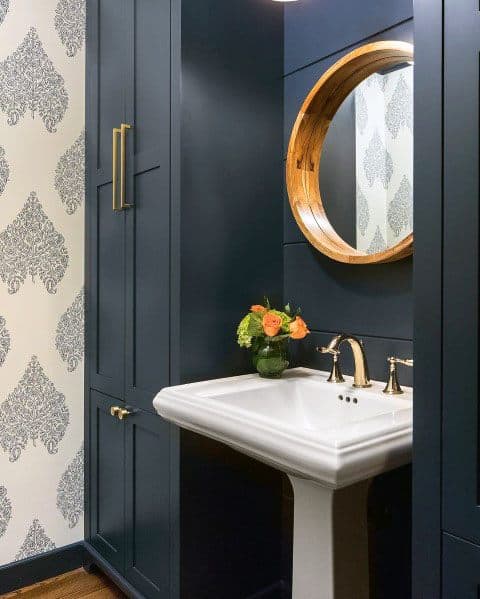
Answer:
[(330, 439)]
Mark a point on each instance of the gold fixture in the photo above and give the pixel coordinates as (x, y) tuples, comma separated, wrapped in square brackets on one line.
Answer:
[(393, 386), (116, 132), (361, 377), (120, 413), (123, 166), (336, 372), (123, 413)]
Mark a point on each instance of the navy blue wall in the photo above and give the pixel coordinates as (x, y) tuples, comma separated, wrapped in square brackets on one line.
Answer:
[(374, 302)]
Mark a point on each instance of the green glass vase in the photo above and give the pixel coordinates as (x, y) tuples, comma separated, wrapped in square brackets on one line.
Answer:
[(270, 358)]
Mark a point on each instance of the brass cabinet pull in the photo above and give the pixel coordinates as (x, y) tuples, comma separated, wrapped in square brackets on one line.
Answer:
[(120, 413), (115, 133), (123, 413), (123, 165)]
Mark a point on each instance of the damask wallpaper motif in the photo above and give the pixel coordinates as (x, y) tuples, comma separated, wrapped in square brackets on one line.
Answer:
[(29, 81), (42, 142), (70, 175), (19, 249)]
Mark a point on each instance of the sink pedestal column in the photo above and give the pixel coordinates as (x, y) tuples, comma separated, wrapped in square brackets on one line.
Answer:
[(330, 541)]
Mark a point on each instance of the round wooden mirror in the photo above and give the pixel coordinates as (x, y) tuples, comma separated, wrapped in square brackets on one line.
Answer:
[(378, 64)]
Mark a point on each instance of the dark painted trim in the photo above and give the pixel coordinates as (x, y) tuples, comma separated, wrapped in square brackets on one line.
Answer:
[(347, 47), (175, 283), (40, 567), (175, 190), (363, 335), (92, 556), (428, 313)]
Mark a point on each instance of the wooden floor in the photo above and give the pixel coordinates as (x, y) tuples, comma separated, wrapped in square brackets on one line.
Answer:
[(72, 586)]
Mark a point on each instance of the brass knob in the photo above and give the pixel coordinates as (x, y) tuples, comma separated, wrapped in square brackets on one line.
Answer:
[(114, 410), (123, 413)]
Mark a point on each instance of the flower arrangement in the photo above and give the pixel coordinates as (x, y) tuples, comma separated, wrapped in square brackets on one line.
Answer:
[(267, 331)]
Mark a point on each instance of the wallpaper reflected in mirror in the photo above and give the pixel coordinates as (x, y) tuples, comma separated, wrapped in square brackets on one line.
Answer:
[(384, 159), (367, 162)]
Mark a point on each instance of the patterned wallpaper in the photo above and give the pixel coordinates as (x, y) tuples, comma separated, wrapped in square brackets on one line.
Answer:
[(41, 275), (384, 159)]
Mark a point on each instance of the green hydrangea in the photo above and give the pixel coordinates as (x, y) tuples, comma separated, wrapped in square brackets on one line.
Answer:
[(244, 331)]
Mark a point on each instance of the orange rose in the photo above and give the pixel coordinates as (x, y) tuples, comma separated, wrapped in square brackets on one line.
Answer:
[(298, 328), (272, 323), (258, 308)]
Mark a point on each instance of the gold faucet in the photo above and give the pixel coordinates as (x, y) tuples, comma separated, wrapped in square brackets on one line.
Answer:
[(361, 377)]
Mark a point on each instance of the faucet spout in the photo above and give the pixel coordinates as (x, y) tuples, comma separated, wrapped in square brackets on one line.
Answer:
[(361, 377)]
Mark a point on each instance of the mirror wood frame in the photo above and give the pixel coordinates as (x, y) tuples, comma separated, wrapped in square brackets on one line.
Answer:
[(306, 145)]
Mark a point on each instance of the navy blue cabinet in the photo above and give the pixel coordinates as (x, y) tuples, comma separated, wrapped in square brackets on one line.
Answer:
[(129, 499), (105, 107), (147, 242), (198, 169), (461, 569), (148, 521), (129, 82), (128, 287), (107, 473), (447, 416), (461, 485)]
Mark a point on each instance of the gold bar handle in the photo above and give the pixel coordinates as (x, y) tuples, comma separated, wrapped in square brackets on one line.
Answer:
[(116, 132), (123, 165)]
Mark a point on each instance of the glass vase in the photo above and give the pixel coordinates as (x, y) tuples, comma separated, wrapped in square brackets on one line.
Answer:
[(270, 358)]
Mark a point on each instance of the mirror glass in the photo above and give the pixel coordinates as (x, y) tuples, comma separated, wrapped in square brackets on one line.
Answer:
[(366, 169)]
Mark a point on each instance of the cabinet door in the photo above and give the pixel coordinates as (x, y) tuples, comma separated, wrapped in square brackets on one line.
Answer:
[(106, 80), (461, 449), (148, 221), (461, 569), (107, 481), (148, 528)]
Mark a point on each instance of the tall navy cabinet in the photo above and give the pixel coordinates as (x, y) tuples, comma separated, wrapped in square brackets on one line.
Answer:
[(128, 287), (184, 225), (446, 527), (461, 482)]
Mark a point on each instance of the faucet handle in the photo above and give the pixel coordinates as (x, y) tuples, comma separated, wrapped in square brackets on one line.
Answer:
[(393, 386), (336, 372), (328, 350)]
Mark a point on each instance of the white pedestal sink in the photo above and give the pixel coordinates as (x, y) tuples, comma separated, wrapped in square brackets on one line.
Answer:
[(330, 439)]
